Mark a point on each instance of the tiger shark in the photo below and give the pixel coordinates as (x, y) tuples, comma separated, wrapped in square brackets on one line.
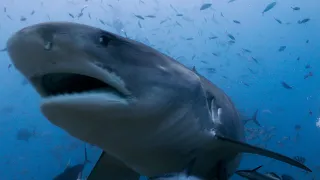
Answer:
[(150, 114)]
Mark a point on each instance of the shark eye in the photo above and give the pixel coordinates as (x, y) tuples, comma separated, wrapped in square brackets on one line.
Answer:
[(104, 40)]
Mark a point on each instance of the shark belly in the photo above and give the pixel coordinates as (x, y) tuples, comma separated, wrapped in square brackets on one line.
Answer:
[(148, 146)]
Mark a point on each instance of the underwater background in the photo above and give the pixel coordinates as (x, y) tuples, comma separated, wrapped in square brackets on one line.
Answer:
[(263, 61)]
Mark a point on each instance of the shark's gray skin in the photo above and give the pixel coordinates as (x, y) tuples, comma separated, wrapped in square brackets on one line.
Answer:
[(150, 114), (253, 174)]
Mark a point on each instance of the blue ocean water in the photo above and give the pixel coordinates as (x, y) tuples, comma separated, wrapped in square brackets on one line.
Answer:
[(250, 68)]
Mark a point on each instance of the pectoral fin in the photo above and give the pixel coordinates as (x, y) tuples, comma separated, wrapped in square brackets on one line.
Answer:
[(109, 167), (222, 171), (241, 147)]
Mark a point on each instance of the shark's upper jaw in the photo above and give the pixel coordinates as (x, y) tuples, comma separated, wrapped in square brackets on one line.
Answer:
[(38, 55), (52, 85)]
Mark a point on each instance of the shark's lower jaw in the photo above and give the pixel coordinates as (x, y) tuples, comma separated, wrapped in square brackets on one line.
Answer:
[(79, 104), (77, 91)]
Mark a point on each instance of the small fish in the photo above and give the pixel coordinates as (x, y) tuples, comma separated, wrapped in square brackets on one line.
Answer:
[(215, 54), (246, 84), (178, 24), (9, 17), (286, 177), (163, 21), (22, 18), (71, 15), (221, 14), (82, 9), (266, 111), (32, 12), (255, 60), (173, 8), (310, 74), (102, 22), (253, 174), (307, 41), (73, 171), (230, 1), (211, 70), (253, 119), (282, 48), (231, 36), (25, 134), (213, 37), (231, 42), (251, 71), (24, 82), (297, 127), (4, 49), (150, 16), (303, 21), (179, 14), (237, 22), (205, 6), (295, 8), (246, 50), (299, 159), (269, 7), (188, 39), (139, 16), (79, 15), (139, 24), (278, 20), (285, 85), (273, 176)]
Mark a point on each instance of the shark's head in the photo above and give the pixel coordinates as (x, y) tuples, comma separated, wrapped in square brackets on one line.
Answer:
[(132, 101), (85, 74)]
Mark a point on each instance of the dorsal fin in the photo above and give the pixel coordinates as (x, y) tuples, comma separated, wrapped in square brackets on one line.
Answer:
[(194, 69), (256, 169)]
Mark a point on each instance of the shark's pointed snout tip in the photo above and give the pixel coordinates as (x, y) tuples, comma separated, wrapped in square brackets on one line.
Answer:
[(17, 38)]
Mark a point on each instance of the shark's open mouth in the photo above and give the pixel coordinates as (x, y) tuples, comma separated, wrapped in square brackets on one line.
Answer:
[(55, 84)]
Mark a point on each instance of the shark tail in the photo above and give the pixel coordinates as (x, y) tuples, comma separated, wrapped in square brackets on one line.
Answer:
[(253, 119), (241, 147)]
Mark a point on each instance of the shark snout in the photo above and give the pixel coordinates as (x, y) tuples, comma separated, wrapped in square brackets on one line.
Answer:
[(38, 49)]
